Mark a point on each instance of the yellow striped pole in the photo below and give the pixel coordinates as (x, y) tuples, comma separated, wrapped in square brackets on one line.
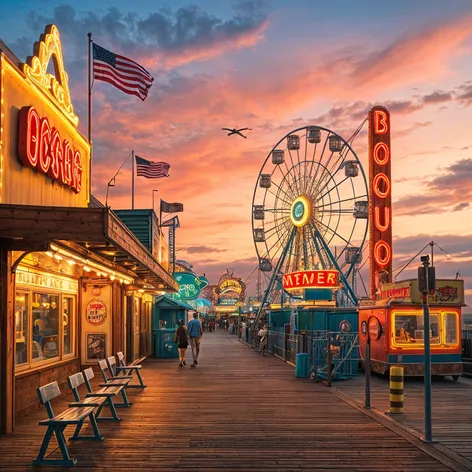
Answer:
[(396, 389)]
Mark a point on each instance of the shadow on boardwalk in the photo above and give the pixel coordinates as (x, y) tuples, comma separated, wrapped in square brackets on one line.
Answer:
[(235, 411)]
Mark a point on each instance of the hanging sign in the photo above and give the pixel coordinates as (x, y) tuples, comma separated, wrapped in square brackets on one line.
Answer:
[(311, 279), (380, 199), (189, 286), (96, 312)]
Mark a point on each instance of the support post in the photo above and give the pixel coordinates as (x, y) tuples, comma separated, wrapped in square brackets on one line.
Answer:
[(274, 275), (367, 372), (330, 361), (132, 180), (7, 341), (428, 428), (90, 84)]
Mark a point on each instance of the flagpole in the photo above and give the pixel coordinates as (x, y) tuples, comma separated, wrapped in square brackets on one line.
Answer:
[(132, 181), (160, 212), (89, 44)]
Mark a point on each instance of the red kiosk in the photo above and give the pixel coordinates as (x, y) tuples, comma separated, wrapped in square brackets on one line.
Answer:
[(395, 326)]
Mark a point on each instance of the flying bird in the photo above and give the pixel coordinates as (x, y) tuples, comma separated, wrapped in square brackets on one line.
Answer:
[(236, 131)]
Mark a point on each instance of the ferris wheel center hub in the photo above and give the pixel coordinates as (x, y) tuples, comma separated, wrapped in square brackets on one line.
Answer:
[(300, 211)]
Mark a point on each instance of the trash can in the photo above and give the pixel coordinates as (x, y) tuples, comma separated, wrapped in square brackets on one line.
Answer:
[(165, 348), (302, 366)]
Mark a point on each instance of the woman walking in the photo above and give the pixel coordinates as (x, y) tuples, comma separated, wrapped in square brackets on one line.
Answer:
[(181, 338)]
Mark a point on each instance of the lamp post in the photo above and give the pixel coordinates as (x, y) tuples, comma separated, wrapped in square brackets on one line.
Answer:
[(426, 284)]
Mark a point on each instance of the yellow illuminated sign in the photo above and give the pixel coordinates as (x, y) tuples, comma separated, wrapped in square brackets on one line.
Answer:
[(33, 87), (300, 211)]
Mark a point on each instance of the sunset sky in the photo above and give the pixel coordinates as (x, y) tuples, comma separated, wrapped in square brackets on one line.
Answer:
[(274, 66)]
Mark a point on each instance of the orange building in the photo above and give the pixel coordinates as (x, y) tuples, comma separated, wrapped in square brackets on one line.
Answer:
[(75, 283)]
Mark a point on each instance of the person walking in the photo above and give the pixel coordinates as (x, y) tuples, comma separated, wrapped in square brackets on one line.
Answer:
[(195, 333), (263, 341), (181, 338)]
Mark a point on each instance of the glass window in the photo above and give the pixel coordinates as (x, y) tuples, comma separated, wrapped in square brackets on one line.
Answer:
[(409, 328), (45, 310), (450, 327), (21, 328), (68, 324)]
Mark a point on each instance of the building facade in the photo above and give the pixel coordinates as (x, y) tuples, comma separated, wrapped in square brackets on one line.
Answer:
[(75, 283)]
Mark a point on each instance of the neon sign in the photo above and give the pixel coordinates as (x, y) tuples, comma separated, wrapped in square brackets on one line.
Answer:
[(40, 147), (380, 188), (311, 279)]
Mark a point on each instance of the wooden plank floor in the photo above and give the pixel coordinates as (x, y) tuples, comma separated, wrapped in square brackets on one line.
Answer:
[(235, 411), (451, 407)]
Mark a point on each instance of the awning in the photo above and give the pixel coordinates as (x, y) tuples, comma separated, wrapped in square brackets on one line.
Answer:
[(97, 230)]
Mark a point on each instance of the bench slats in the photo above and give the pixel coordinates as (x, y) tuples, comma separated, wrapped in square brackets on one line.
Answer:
[(109, 390), (48, 392), (88, 373), (70, 416), (128, 367), (90, 401), (76, 380)]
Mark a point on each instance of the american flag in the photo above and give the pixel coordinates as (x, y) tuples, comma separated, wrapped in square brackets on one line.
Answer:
[(150, 169), (121, 72)]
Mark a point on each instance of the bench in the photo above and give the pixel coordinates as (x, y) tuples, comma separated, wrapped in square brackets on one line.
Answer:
[(57, 424), (128, 370), (113, 381), (98, 400)]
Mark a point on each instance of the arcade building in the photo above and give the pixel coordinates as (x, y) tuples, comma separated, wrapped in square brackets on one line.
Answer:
[(75, 283)]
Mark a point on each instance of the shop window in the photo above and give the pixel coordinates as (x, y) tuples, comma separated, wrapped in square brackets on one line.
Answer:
[(21, 328), (46, 328), (68, 324), (409, 329), (450, 327)]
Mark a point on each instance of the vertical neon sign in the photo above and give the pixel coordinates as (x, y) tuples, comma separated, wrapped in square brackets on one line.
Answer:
[(380, 196)]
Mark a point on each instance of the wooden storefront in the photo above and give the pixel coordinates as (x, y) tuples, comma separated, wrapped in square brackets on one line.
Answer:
[(75, 283)]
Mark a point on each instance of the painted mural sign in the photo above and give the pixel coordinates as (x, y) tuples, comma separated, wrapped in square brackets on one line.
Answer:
[(96, 312)]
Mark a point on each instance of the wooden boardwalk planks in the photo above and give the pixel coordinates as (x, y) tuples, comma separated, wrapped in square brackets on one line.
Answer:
[(452, 412), (235, 411)]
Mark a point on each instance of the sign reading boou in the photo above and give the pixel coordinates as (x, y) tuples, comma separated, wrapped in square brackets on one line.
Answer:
[(380, 197)]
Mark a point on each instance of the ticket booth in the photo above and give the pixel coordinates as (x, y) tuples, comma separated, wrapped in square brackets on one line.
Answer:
[(395, 324)]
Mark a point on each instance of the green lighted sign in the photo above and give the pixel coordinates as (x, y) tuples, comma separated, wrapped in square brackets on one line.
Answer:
[(189, 286)]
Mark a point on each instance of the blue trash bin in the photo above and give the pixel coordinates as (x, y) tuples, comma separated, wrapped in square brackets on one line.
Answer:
[(302, 366)]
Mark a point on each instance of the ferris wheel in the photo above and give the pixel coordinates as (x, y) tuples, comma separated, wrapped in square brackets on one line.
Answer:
[(310, 208)]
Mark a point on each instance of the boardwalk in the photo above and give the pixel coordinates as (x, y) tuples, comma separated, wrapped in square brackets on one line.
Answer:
[(452, 413), (236, 411)]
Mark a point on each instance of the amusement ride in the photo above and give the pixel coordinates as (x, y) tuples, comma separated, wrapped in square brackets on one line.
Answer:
[(310, 212)]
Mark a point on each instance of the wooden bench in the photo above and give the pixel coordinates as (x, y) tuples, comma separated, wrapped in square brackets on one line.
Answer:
[(113, 381), (129, 370), (57, 424), (98, 400)]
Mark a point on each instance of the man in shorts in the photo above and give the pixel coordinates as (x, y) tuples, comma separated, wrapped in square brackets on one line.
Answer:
[(195, 332)]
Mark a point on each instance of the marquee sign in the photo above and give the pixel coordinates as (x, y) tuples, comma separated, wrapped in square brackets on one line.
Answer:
[(311, 279), (231, 288), (41, 147), (44, 159), (380, 197)]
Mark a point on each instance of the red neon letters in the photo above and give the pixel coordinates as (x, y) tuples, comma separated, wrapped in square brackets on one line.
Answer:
[(40, 147), (311, 279), (380, 198)]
